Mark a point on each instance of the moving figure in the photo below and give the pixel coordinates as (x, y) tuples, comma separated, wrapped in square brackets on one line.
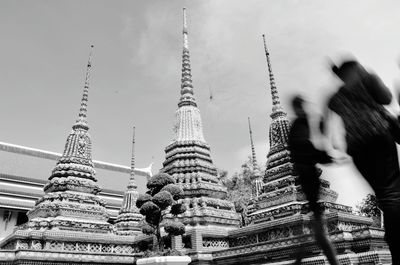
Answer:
[(370, 138), (305, 157)]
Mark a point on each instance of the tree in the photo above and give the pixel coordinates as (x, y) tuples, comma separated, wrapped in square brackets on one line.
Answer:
[(240, 187), (369, 207), (160, 199)]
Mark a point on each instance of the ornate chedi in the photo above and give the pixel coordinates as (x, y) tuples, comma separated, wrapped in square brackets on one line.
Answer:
[(188, 160), (129, 218), (280, 221), (280, 181), (70, 200), (69, 224)]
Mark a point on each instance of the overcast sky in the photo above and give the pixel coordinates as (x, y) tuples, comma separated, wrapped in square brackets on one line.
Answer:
[(136, 70)]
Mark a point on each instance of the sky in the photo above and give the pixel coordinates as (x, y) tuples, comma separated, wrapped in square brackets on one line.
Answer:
[(136, 66)]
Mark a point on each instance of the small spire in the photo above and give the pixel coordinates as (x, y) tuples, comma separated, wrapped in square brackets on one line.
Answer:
[(274, 91), (132, 182), (82, 121), (253, 151), (133, 153), (187, 97)]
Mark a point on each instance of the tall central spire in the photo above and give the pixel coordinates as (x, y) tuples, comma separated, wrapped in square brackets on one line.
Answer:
[(276, 104), (188, 125), (188, 160), (187, 97), (82, 120)]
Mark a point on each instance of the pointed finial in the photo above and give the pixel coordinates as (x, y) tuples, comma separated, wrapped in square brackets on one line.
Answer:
[(253, 151), (82, 122), (274, 91), (185, 30), (187, 97), (133, 153)]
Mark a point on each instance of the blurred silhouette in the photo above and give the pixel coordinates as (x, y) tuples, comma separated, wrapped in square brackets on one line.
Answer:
[(370, 137), (305, 157)]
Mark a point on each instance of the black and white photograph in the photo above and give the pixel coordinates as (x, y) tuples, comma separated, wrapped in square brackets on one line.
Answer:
[(201, 132)]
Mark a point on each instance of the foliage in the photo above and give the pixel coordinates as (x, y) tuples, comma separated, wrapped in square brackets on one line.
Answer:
[(149, 208), (240, 187), (148, 230), (175, 191), (369, 207), (157, 182), (178, 208), (161, 199), (174, 228), (142, 199)]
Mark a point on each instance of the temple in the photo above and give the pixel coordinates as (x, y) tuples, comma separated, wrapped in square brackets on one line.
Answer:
[(70, 223), (187, 158)]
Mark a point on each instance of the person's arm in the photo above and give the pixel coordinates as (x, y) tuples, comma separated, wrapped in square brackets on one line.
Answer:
[(394, 126), (334, 140)]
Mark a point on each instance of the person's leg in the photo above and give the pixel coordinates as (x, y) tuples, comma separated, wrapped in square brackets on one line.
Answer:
[(391, 219), (323, 241), (309, 180), (299, 255), (379, 166)]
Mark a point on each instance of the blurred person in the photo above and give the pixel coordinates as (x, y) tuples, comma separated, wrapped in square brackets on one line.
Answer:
[(305, 157), (371, 133)]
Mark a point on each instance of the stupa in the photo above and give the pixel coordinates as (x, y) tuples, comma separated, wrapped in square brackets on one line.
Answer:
[(129, 218), (209, 216), (69, 224), (280, 220)]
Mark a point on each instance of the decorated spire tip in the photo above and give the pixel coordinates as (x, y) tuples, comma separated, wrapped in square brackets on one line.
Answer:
[(185, 30), (83, 109), (133, 153), (186, 80), (274, 91), (248, 119)]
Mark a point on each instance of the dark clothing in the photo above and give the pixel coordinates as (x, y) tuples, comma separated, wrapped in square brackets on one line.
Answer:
[(301, 148), (305, 157), (378, 163), (363, 118), (370, 135)]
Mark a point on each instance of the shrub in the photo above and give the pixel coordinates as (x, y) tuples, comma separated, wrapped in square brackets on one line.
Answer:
[(162, 194), (142, 199), (175, 191), (174, 228), (149, 208), (157, 182), (163, 199), (178, 208)]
